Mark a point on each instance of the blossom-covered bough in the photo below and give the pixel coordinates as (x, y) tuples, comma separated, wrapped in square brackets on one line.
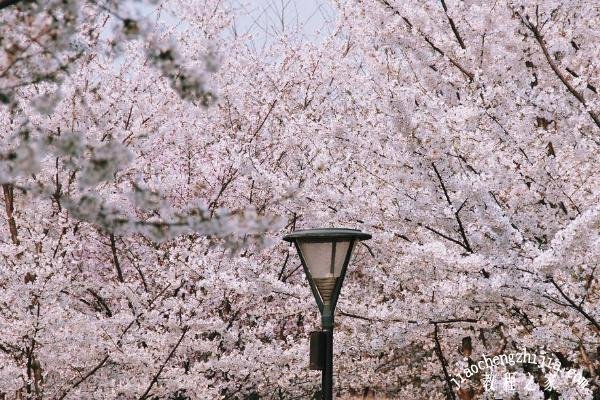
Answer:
[(150, 152)]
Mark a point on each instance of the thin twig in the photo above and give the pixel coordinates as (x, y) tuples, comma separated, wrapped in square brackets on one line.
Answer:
[(440, 355), (539, 38), (85, 377), (287, 257), (462, 69), (442, 184), (113, 248), (102, 302), (453, 26), (458, 242), (461, 229), (157, 375), (9, 207), (579, 308)]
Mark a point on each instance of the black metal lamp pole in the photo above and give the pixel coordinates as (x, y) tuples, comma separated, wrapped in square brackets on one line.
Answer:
[(325, 254), (327, 373)]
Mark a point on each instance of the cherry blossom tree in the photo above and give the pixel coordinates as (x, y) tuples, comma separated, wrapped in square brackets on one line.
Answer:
[(485, 170), (152, 157)]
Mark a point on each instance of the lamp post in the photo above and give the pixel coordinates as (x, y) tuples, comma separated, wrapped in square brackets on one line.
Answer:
[(325, 254)]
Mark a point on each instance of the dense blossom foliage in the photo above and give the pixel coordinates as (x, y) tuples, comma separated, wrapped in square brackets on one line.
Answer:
[(151, 159)]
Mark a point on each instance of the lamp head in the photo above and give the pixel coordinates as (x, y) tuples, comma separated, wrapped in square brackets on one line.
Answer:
[(325, 254)]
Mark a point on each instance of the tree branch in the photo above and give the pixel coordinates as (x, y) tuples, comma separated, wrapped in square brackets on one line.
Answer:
[(9, 207), (442, 184), (540, 40), (468, 74), (113, 248), (458, 242), (85, 377), (465, 241), (452, 61), (156, 376), (346, 314), (440, 355), (453, 26), (579, 308), (461, 229), (287, 257), (454, 320), (102, 302)]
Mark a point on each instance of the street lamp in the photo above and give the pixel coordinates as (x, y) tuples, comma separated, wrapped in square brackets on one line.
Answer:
[(325, 254)]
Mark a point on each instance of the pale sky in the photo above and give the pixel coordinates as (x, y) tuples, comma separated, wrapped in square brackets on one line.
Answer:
[(264, 17)]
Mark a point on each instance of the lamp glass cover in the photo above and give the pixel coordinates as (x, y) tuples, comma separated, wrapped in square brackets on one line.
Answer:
[(324, 259)]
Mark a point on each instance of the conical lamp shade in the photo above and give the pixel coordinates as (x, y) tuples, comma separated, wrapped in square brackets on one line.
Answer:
[(325, 254), (325, 261)]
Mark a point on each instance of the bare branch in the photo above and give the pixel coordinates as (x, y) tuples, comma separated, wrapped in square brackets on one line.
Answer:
[(453, 26), (452, 61), (573, 305), (9, 207), (540, 40), (458, 242), (465, 241), (113, 248), (442, 183), (462, 69), (454, 320), (440, 355), (102, 302), (461, 229), (85, 377), (287, 257), (157, 375)]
